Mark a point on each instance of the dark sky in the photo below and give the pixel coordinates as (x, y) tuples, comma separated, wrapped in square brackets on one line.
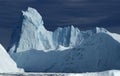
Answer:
[(85, 14)]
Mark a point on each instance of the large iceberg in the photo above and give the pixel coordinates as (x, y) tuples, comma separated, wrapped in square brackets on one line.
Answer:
[(33, 35), (64, 50), (7, 65)]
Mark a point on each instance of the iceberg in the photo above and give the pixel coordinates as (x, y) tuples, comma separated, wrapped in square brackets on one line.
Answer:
[(7, 65), (33, 35), (67, 49)]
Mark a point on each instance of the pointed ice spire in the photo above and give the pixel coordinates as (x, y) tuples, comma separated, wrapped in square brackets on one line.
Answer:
[(32, 27), (32, 16)]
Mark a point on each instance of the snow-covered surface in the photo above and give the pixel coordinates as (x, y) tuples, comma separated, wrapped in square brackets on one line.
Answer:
[(105, 73), (36, 49), (115, 36), (7, 65)]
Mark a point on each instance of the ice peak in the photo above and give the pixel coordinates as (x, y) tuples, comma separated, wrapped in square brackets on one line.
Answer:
[(33, 16), (98, 30)]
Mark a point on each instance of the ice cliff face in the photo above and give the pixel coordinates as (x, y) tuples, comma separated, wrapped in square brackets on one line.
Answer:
[(63, 50), (33, 35)]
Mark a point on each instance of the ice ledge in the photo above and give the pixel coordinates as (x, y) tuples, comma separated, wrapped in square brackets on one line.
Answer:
[(113, 35), (98, 30)]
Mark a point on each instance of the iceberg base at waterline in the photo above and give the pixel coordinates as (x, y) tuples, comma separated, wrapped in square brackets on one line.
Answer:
[(104, 73)]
